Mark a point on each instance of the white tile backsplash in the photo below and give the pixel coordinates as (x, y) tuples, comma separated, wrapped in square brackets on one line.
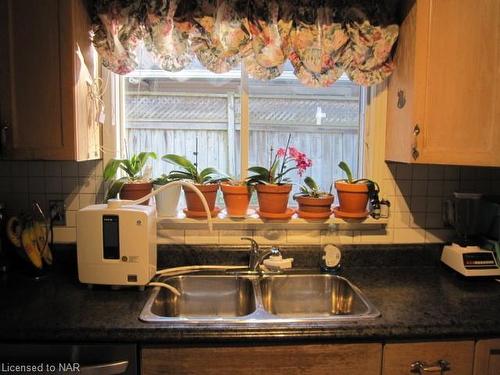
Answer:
[(416, 193)]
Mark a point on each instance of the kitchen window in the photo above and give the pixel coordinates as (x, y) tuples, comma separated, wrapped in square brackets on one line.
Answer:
[(219, 113)]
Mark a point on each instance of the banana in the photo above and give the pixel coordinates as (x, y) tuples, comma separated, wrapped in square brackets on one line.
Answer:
[(14, 229), (42, 236), (30, 245)]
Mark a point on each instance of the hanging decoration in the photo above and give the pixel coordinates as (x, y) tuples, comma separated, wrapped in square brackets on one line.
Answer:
[(322, 39)]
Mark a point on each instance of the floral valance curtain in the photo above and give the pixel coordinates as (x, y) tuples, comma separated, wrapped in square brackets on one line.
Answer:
[(322, 39)]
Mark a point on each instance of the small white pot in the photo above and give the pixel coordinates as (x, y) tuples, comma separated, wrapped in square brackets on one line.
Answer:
[(167, 200)]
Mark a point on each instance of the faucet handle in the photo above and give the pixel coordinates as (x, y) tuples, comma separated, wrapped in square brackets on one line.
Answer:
[(275, 251)]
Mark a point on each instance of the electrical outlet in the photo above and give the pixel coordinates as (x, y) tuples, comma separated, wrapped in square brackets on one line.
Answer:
[(57, 212)]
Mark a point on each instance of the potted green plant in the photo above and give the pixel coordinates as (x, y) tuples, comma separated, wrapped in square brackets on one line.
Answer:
[(272, 185), (313, 202), (134, 185), (206, 180), (237, 194), (167, 200), (353, 194)]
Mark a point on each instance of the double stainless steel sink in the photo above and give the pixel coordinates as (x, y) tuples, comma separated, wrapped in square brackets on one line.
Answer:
[(257, 299)]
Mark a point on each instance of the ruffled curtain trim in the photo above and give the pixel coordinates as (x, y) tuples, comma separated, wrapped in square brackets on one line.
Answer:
[(322, 39)]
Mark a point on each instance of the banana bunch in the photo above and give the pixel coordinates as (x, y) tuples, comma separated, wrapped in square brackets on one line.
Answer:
[(33, 237)]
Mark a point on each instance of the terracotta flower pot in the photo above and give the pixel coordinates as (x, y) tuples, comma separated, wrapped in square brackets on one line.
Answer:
[(194, 203), (236, 198), (273, 198), (310, 204), (133, 191), (353, 198)]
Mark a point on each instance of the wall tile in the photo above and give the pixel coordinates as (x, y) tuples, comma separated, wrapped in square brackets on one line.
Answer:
[(71, 218), (36, 168), (201, 237), (5, 168), (420, 172), (378, 236), (418, 204), (86, 200), (171, 236), (53, 169), (400, 220), (53, 184), (435, 172), (404, 171), (69, 168), (434, 205), (64, 235), (19, 184), (419, 188), (72, 202), (70, 185), (451, 172), (270, 236), (438, 235), (303, 237), (402, 187), (19, 168), (36, 184), (87, 185), (435, 188), (409, 235), (233, 237), (417, 220)]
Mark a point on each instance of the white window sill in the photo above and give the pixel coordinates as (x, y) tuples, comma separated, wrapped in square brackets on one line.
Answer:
[(253, 221)]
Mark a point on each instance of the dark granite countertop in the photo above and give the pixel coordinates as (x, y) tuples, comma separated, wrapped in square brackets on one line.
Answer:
[(418, 299)]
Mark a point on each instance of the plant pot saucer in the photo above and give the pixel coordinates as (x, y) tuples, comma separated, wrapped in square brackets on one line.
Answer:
[(276, 216), (200, 214), (249, 212), (314, 215), (349, 215)]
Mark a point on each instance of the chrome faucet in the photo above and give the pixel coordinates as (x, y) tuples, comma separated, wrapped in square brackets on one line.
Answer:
[(256, 258)]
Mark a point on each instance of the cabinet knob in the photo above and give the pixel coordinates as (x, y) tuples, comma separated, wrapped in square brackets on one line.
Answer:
[(401, 99), (421, 368)]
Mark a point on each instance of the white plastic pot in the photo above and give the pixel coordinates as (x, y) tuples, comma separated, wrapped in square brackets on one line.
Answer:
[(167, 200)]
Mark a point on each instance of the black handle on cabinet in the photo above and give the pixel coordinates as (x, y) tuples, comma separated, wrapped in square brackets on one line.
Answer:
[(3, 138), (111, 368), (421, 368)]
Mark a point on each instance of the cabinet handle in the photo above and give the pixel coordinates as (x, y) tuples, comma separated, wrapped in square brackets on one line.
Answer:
[(421, 368), (401, 99), (414, 150), (105, 368), (3, 139)]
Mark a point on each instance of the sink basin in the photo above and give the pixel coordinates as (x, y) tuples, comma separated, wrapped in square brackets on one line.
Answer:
[(205, 296), (310, 296), (225, 299)]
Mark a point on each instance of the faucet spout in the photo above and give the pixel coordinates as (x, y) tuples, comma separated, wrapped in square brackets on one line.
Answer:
[(260, 259)]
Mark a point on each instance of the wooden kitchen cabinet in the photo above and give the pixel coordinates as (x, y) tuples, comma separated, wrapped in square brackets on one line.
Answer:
[(46, 111), (487, 357), (338, 359), (398, 358), (444, 95)]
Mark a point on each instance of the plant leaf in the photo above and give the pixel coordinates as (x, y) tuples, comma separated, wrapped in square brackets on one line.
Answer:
[(309, 181), (343, 165), (111, 169), (116, 187), (182, 162)]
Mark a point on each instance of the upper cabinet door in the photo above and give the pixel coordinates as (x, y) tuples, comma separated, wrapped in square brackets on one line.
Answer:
[(45, 110), (444, 98)]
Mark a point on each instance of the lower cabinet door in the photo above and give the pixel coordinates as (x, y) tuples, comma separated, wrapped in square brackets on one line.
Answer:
[(443, 357), (487, 357), (331, 359)]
